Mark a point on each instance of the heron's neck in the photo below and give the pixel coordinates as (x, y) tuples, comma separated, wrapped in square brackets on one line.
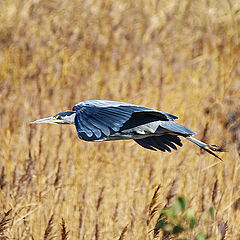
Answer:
[(70, 119)]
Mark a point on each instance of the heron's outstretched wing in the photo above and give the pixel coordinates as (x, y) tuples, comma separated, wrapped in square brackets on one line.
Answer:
[(163, 143), (96, 119)]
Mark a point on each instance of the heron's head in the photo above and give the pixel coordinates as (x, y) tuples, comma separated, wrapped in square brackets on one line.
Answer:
[(66, 117)]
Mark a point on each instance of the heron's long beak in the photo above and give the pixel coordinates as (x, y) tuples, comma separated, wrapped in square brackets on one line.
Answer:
[(51, 120)]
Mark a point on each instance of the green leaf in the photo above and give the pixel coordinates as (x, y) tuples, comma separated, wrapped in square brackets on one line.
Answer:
[(169, 213), (177, 229), (182, 203), (212, 211), (168, 228), (160, 224), (164, 211), (192, 223), (189, 214), (201, 236), (178, 207)]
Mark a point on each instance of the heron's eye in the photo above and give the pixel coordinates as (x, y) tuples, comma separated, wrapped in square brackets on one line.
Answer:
[(59, 117)]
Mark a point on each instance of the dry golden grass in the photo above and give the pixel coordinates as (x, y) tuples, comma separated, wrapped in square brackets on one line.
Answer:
[(181, 57)]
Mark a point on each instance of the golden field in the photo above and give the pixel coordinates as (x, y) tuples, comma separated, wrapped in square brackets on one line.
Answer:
[(181, 57)]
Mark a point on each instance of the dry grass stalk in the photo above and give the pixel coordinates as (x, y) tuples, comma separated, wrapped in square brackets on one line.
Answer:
[(223, 227), (236, 204), (59, 143), (203, 194), (100, 198), (116, 211), (151, 174), (96, 231), (2, 178), (82, 215), (215, 193), (154, 206), (40, 146), (49, 234), (4, 224), (64, 232), (58, 175), (123, 233), (30, 136), (26, 178), (156, 232), (204, 134), (14, 178), (172, 192), (155, 197), (46, 161)]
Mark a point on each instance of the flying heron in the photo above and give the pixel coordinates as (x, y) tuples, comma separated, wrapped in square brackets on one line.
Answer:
[(102, 120)]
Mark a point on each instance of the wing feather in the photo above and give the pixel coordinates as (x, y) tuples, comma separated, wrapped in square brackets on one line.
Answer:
[(173, 138), (88, 124), (99, 125), (92, 120), (164, 142), (175, 127), (80, 127), (159, 144), (145, 144), (105, 119), (96, 119)]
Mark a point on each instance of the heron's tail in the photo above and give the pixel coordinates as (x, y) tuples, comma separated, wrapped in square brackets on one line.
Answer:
[(207, 147)]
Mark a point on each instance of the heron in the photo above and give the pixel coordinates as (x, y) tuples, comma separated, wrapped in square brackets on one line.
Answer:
[(105, 120)]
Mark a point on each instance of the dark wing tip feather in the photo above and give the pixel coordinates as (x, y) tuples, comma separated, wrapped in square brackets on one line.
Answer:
[(163, 143), (144, 144), (173, 138)]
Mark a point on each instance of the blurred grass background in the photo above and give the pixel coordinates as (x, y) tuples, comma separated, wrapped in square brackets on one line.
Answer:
[(181, 57)]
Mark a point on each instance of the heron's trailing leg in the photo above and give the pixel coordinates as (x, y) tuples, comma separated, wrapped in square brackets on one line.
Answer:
[(207, 147)]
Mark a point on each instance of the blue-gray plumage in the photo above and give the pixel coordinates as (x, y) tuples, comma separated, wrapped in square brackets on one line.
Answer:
[(102, 120)]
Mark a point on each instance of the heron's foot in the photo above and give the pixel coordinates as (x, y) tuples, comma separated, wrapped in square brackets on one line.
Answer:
[(215, 148), (211, 149)]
